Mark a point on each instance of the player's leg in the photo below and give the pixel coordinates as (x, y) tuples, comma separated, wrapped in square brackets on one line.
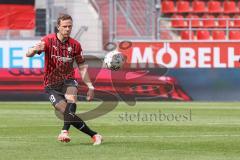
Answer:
[(58, 101), (77, 122), (71, 97), (64, 135)]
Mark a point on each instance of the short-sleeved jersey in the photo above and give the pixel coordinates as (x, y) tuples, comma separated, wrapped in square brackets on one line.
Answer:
[(60, 58)]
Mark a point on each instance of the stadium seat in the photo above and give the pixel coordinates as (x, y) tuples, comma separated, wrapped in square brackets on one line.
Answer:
[(203, 35), (178, 21), (168, 6), (208, 20), (214, 6), (223, 20), (236, 21), (193, 20), (187, 35), (198, 6), (218, 35), (234, 34), (183, 6), (229, 6)]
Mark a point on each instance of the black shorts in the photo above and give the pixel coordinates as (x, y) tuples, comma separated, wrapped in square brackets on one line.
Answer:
[(56, 93)]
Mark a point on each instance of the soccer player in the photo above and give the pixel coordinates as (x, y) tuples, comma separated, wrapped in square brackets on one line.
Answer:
[(62, 53)]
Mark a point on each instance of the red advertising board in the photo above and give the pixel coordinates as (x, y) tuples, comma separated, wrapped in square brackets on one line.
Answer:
[(183, 55), (125, 83)]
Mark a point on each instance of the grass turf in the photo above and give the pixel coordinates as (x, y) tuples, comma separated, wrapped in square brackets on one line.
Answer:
[(149, 130)]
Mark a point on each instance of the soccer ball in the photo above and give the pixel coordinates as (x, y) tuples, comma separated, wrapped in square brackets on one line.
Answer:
[(114, 60)]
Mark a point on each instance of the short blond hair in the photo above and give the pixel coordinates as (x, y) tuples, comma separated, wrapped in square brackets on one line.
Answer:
[(63, 17)]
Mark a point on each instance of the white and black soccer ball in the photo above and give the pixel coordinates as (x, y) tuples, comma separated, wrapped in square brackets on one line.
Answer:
[(114, 60)]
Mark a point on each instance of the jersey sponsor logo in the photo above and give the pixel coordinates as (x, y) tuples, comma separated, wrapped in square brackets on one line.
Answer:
[(69, 49), (63, 59)]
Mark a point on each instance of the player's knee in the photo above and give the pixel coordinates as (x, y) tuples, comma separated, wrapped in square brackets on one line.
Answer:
[(70, 108), (71, 98), (61, 106)]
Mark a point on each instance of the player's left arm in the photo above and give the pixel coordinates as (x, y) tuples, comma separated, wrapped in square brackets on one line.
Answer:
[(83, 69)]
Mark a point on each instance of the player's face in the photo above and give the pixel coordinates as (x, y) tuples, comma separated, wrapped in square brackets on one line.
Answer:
[(65, 28)]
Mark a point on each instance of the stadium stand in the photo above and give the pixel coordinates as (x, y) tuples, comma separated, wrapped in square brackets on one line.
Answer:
[(219, 16), (134, 19)]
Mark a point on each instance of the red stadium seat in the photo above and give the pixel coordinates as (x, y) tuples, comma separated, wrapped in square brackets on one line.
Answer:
[(214, 6), (229, 6), (198, 6), (208, 20), (178, 21), (193, 20), (223, 20), (168, 6), (218, 35), (187, 35), (203, 35), (183, 6), (234, 35), (236, 21)]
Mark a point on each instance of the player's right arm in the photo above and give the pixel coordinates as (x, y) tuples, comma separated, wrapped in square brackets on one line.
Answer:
[(37, 48)]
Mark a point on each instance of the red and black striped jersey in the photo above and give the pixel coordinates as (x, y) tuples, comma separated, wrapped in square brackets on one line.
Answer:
[(60, 58)]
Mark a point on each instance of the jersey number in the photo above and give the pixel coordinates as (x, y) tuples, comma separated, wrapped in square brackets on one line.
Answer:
[(52, 98)]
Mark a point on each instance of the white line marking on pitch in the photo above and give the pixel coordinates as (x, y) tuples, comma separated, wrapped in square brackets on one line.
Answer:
[(173, 136), (133, 136), (222, 123)]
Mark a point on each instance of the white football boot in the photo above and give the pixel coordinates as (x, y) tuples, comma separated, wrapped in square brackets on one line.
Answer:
[(97, 139), (64, 136)]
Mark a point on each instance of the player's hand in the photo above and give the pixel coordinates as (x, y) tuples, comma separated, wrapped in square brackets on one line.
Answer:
[(35, 49), (90, 94), (39, 46)]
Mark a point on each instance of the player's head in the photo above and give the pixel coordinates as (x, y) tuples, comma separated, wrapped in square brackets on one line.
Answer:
[(64, 25)]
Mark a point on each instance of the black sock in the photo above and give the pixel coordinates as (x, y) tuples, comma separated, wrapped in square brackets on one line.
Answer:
[(72, 109), (66, 126), (77, 122)]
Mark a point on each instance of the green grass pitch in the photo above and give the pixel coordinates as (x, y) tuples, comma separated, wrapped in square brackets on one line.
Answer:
[(149, 130)]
